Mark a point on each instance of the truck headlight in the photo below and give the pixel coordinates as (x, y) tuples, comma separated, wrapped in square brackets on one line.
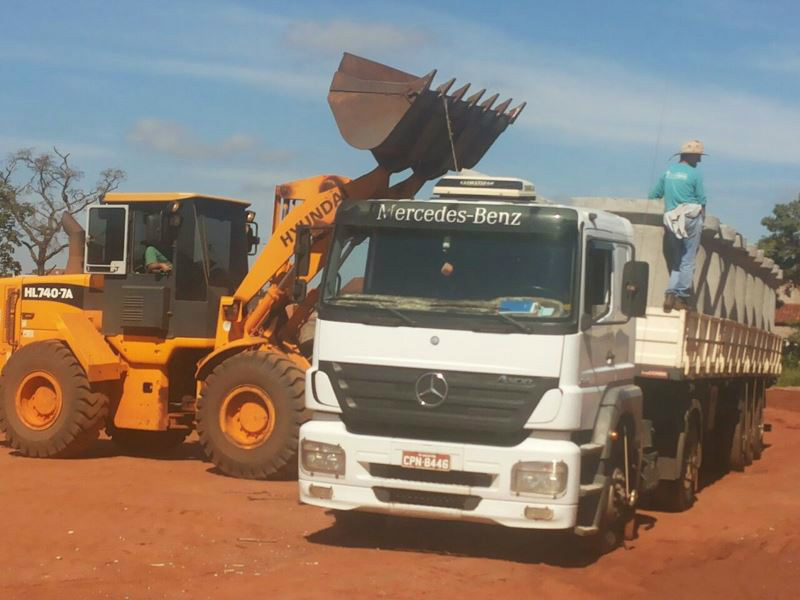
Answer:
[(547, 478), (318, 457)]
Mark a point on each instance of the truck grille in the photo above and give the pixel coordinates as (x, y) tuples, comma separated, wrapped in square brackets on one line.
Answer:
[(468, 478), (479, 407), (437, 499)]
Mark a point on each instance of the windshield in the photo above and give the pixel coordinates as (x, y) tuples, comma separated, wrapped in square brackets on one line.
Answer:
[(518, 275), (222, 228)]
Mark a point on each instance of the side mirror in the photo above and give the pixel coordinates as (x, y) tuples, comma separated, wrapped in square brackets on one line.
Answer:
[(302, 252), (635, 277), (253, 239)]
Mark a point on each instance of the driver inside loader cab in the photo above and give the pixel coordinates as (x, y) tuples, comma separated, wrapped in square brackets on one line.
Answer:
[(155, 261)]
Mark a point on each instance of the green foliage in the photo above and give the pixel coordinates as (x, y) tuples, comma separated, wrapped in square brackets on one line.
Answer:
[(9, 241), (791, 352), (783, 243), (789, 378)]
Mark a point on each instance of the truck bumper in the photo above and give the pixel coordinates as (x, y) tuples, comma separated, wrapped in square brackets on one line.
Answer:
[(477, 488)]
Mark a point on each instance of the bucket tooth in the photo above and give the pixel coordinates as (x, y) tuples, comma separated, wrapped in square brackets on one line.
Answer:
[(473, 100), (428, 79), (501, 108), (515, 112), (487, 104), (459, 93), (445, 87)]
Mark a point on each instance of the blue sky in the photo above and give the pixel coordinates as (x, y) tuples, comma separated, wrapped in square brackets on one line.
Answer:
[(230, 97)]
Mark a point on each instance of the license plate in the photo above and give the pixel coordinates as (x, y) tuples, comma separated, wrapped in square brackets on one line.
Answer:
[(426, 460)]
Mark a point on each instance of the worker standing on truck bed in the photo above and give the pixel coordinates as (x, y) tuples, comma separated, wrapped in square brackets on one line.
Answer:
[(681, 186)]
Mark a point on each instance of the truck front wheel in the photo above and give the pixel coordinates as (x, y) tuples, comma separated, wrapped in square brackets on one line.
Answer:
[(249, 414)]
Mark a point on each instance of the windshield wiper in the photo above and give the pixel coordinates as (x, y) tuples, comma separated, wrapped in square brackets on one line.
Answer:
[(402, 316), (521, 326), (393, 311)]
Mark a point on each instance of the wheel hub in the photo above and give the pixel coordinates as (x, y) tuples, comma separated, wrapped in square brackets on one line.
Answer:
[(39, 400), (247, 416)]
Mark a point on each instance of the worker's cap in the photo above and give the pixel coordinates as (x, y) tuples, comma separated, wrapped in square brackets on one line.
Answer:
[(693, 147)]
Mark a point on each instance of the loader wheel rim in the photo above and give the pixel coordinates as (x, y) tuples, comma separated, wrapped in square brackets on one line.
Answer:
[(247, 416), (39, 400)]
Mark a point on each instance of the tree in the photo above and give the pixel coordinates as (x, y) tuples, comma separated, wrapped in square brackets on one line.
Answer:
[(38, 190), (783, 243), (9, 242)]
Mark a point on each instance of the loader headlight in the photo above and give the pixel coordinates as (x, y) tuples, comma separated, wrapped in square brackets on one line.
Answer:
[(318, 457), (546, 478)]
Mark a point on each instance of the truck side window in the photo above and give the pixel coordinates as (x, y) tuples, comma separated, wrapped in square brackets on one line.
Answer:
[(599, 267)]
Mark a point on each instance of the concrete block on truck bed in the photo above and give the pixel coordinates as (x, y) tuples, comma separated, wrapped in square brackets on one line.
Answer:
[(730, 276)]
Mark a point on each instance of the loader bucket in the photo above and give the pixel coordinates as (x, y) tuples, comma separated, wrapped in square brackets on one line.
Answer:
[(407, 124)]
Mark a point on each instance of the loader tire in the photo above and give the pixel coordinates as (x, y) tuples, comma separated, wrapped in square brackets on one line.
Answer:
[(147, 443), (47, 408), (249, 414)]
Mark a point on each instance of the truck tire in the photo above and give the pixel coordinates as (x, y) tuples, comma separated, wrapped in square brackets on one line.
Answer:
[(680, 495), (618, 518), (146, 443), (738, 441), (748, 434), (758, 429), (47, 408), (249, 415)]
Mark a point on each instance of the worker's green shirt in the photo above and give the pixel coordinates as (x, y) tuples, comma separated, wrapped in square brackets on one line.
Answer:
[(680, 184), (153, 255)]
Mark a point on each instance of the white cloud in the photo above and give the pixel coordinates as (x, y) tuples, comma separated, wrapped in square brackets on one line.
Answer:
[(337, 35), (778, 60), (77, 150), (174, 139), (590, 101)]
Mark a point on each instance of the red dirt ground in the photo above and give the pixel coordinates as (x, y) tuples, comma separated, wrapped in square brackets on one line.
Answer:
[(112, 526)]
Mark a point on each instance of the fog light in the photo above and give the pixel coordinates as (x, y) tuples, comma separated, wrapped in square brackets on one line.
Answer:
[(323, 492), (546, 478), (318, 457), (539, 513)]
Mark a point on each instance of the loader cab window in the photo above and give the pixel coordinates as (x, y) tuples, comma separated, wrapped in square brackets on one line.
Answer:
[(141, 236), (106, 237), (223, 229), (190, 272)]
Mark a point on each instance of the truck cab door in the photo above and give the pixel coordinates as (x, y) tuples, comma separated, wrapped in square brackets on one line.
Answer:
[(608, 334)]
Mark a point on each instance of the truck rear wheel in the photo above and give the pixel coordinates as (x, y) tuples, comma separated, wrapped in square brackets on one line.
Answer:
[(739, 440), (249, 415), (47, 408), (758, 429)]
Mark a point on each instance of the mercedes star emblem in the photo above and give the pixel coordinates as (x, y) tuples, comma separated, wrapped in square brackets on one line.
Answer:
[(431, 389)]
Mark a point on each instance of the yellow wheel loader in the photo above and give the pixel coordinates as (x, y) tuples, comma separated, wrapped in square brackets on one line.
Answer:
[(159, 327)]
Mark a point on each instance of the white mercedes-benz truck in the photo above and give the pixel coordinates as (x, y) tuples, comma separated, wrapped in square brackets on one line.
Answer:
[(486, 356)]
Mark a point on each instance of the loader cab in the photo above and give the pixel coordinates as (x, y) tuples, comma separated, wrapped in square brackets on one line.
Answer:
[(204, 240)]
